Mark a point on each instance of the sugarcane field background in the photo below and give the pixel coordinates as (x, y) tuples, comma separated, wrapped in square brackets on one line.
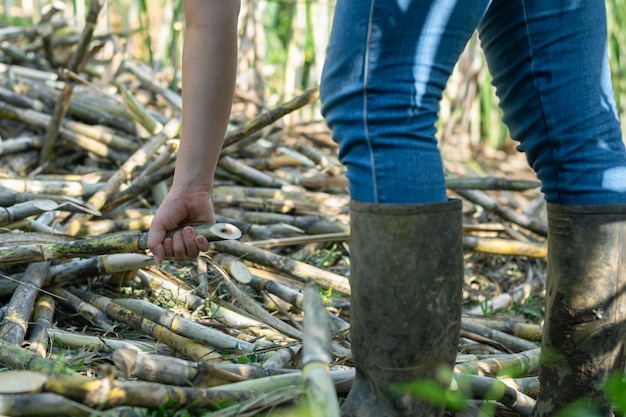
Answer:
[(90, 112)]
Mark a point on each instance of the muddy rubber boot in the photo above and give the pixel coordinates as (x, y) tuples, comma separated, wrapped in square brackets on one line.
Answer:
[(585, 330), (406, 286)]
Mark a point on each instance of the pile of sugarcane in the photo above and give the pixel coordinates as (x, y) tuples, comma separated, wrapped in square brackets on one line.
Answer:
[(257, 326)]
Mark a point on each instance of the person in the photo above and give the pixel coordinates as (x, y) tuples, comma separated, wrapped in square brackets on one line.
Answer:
[(386, 67)]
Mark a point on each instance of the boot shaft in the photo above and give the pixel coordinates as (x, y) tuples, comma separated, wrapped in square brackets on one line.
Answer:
[(406, 287), (584, 331)]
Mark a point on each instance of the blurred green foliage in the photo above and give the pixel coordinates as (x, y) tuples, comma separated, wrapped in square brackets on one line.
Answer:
[(282, 48)]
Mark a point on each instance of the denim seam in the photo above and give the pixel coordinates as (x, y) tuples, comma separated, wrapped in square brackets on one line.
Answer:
[(366, 74), (537, 91)]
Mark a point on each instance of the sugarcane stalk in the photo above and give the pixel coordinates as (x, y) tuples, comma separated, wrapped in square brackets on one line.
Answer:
[(18, 358), (42, 405), (272, 162), (255, 309), (10, 198), (19, 144), (162, 159), (491, 205), (266, 401), (291, 382), (177, 371), (284, 292), (324, 199), (505, 247), (275, 205), (90, 177), (517, 295), (491, 389), (528, 331), (28, 72), (138, 113), (20, 100), (322, 182), (66, 188), (171, 97), (235, 267), (514, 365), (282, 358), (102, 135), (292, 152), (76, 66), (86, 310), (101, 227), (249, 174), (316, 357), (138, 185), (286, 265), (323, 161), (181, 293), (490, 183), (513, 343), (255, 231), (139, 158), (271, 116), (100, 116), (42, 321), (103, 141), (308, 224), (300, 240), (337, 180), (118, 243), (12, 239), (188, 348), (21, 382), (115, 393), (528, 385), (80, 269), (30, 208), (92, 145), (27, 209), (17, 55), (229, 314), (155, 281), (105, 344), (184, 327), (17, 317)]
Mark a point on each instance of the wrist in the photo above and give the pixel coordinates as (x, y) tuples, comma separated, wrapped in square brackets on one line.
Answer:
[(193, 185)]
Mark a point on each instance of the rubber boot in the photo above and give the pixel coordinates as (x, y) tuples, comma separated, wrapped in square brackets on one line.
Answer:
[(406, 286), (584, 330)]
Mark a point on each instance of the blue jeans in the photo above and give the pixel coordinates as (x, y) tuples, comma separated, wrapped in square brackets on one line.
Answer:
[(388, 63)]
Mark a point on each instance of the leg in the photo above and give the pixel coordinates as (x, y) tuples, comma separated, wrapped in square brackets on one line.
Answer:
[(385, 70), (550, 68), (549, 65), (386, 67)]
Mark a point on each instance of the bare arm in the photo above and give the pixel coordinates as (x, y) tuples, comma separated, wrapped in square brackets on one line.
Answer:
[(208, 81), (209, 71)]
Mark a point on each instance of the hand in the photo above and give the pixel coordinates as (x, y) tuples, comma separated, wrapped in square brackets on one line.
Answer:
[(180, 208)]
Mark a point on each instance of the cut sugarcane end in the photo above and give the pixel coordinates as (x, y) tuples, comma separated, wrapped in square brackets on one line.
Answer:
[(226, 231)]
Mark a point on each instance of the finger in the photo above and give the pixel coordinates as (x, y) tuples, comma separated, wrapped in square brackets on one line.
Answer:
[(202, 243), (158, 254), (156, 235), (189, 240), (168, 248), (178, 247)]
